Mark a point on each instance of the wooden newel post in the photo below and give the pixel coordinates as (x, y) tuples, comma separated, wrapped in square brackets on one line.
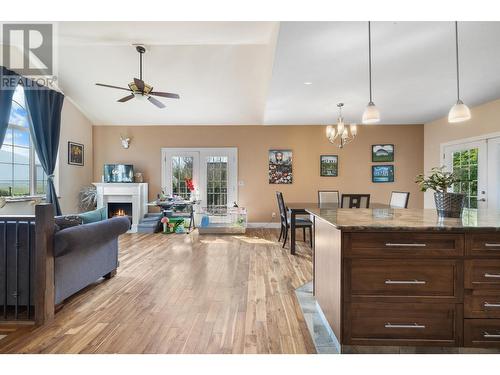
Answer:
[(44, 263)]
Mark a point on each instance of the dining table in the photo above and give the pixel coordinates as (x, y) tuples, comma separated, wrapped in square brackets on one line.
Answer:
[(300, 208)]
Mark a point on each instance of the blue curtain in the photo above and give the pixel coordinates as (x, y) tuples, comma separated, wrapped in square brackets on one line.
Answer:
[(44, 107), (8, 82)]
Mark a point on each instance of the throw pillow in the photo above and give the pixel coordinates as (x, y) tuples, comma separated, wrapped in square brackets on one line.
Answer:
[(67, 221), (93, 216)]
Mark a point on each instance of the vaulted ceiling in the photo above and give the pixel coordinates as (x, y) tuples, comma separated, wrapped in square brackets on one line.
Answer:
[(253, 73)]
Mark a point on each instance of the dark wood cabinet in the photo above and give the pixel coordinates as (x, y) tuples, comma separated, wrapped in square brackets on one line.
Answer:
[(403, 324), (423, 288)]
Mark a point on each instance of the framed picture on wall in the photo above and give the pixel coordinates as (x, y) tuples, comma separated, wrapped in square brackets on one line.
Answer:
[(75, 153), (329, 165), (382, 153), (382, 173), (280, 167)]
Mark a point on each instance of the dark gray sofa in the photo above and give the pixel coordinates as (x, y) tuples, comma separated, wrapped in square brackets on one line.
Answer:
[(85, 253), (82, 255)]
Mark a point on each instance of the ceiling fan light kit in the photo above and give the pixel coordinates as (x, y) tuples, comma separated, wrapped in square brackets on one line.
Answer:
[(139, 89)]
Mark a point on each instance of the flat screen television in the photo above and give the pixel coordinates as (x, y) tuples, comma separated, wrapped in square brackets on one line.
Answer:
[(118, 173)]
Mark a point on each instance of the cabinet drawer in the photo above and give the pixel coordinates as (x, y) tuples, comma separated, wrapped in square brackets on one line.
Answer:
[(482, 304), (406, 279), (391, 244), (482, 274), (403, 324), (482, 333), (479, 244)]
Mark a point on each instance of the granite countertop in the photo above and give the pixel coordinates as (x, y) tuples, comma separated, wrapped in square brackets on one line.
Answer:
[(406, 219)]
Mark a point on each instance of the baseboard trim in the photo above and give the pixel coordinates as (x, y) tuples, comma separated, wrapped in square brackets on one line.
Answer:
[(264, 225)]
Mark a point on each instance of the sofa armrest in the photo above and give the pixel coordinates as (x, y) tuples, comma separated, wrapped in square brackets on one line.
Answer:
[(88, 235)]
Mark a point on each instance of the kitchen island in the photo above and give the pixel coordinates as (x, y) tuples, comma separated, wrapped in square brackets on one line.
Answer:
[(404, 278)]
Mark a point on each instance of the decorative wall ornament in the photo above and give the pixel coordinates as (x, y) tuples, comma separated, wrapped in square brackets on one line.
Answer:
[(125, 142)]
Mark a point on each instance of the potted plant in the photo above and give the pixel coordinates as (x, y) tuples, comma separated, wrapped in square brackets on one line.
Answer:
[(447, 204)]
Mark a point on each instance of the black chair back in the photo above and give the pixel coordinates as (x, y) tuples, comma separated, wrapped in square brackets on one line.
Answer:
[(355, 201), (282, 207)]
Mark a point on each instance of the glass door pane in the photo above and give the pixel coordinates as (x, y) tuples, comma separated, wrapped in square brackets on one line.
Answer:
[(182, 170), (217, 181)]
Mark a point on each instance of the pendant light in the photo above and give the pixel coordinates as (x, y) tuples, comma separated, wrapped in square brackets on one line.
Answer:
[(459, 112), (371, 115)]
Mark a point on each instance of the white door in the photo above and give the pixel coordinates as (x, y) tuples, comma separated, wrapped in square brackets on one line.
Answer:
[(214, 172), (493, 195), (470, 161)]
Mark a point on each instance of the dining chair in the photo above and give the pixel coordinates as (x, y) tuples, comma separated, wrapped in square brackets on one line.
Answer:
[(399, 199), (285, 221), (328, 196), (355, 201)]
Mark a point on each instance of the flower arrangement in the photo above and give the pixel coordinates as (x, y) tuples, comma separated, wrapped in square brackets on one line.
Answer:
[(189, 184)]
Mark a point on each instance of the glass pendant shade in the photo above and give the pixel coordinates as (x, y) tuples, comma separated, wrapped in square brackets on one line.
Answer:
[(330, 131), (340, 126), (354, 129), (459, 113), (371, 115)]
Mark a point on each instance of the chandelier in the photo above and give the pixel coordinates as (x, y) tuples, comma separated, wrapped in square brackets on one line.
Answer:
[(341, 134)]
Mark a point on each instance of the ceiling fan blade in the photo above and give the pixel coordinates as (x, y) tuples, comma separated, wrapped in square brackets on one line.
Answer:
[(126, 98), (156, 102), (139, 83), (113, 87), (165, 94)]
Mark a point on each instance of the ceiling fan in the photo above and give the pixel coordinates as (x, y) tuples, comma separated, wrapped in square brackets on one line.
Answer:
[(139, 89)]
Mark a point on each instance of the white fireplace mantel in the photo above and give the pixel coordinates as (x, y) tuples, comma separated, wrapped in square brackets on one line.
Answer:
[(135, 193)]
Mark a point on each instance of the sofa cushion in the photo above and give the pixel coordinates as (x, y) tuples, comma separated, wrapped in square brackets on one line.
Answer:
[(93, 216), (67, 221)]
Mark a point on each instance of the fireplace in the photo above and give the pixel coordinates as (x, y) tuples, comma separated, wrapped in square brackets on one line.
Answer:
[(120, 209), (130, 199)]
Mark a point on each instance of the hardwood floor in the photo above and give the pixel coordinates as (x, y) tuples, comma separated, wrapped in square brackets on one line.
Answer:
[(185, 294)]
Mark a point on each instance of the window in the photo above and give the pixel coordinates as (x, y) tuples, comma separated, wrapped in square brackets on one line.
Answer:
[(182, 168), (465, 164), (217, 181), (20, 171)]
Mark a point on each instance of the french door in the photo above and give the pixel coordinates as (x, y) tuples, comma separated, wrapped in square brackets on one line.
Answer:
[(470, 161), (213, 171)]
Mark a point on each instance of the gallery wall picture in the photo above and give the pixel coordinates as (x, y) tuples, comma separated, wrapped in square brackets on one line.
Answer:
[(329, 165), (382, 173), (382, 153), (280, 167), (75, 153)]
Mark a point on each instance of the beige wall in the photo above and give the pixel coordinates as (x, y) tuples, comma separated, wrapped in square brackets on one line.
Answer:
[(75, 127), (253, 143), (485, 120)]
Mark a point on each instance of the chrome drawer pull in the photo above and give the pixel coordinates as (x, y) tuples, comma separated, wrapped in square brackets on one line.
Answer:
[(492, 245), (412, 325), (492, 275), (491, 336), (390, 244), (487, 304), (420, 282)]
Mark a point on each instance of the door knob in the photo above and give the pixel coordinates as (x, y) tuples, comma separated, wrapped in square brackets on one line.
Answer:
[(482, 200)]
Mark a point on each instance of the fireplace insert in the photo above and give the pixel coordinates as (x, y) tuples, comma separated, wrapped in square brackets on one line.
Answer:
[(120, 209)]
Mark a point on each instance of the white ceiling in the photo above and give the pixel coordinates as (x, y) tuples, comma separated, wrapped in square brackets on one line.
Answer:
[(249, 73)]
